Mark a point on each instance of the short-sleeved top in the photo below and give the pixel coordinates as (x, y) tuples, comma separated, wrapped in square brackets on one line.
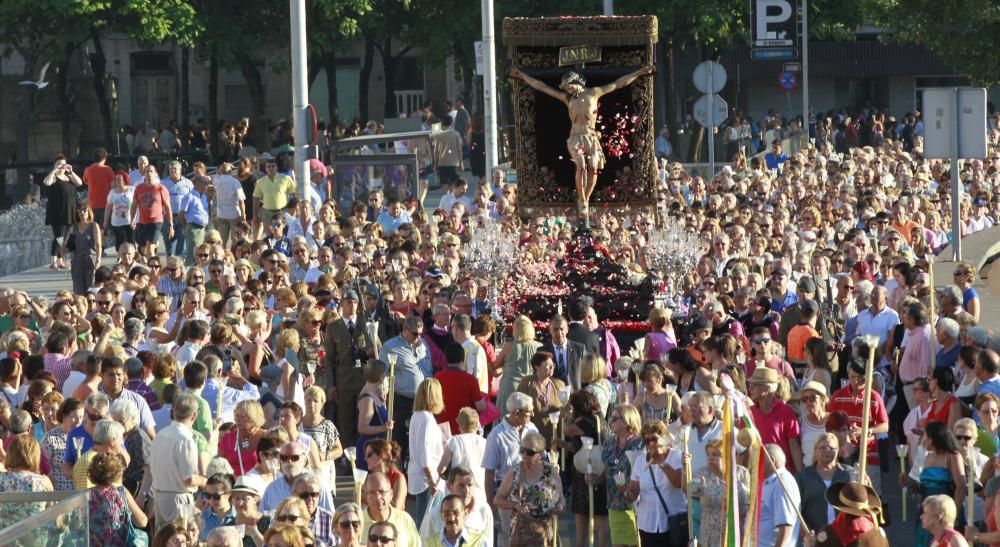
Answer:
[(61, 201), (174, 456), (98, 179), (460, 389), (649, 512), (228, 194), (177, 190), (778, 427), (150, 200), (325, 434), (194, 205), (120, 203), (852, 404), (797, 338), (273, 193), (779, 509), (503, 448)]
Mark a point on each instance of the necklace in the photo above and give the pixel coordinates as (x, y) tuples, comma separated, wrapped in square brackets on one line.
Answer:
[(245, 441)]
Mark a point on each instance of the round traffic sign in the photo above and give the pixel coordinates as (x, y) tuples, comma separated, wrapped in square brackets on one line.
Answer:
[(788, 80), (709, 77)]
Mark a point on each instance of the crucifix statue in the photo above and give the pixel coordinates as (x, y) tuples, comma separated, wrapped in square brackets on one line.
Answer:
[(584, 143)]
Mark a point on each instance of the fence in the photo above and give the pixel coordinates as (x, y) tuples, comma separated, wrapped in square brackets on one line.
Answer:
[(65, 522)]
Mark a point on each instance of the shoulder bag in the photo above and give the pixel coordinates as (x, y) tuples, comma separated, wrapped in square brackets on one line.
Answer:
[(677, 524)]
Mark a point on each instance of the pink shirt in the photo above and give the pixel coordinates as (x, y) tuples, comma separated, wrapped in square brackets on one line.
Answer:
[(59, 365), (916, 359), (778, 427)]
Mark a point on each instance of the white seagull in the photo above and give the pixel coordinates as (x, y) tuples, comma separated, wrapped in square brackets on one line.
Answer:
[(41, 83)]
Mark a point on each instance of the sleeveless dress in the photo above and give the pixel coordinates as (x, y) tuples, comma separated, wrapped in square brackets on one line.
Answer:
[(379, 417), (941, 414), (108, 511), (84, 261), (516, 367), (933, 480), (534, 529)]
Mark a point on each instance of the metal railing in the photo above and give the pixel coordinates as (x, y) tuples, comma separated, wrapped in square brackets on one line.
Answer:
[(65, 523), (408, 101)]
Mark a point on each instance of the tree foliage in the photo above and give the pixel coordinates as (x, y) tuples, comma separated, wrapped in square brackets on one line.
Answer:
[(964, 33)]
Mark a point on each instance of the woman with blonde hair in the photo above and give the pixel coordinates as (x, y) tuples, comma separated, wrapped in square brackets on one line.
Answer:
[(23, 474), (964, 275), (426, 446), (938, 518), (593, 375), (291, 386), (514, 362), (823, 469), (256, 351), (239, 445), (661, 338), (286, 535), (347, 521)]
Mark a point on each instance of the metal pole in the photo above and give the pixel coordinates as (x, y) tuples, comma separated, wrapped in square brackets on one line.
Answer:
[(489, 88), (300, 93), (609, 7), (805, 68), (711, 121), (956, 188)]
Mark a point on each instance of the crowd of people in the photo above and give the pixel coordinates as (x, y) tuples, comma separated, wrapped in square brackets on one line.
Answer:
[(212, 394)]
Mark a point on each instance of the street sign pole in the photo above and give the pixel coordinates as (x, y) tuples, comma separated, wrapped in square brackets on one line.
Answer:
[(711, 124), (489, 88), (300, 94), (805, 68), (956, 188)]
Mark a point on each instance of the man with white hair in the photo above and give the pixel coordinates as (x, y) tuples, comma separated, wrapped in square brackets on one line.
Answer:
[(95, 408), (780, 499), (224, 536), (136, 175), (222, 374), (948, 345), (136, 478), (503, 450), (108, 438)]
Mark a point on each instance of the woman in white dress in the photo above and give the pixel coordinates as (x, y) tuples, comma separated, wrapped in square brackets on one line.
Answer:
[(426, 446)]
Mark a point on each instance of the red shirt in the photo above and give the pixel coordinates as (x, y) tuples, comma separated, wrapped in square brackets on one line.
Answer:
[(778, 427), (98, 179), (460, 389), (852, 404), (149, 200)]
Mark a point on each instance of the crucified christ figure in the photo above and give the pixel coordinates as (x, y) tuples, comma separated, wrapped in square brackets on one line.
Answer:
[(584, 143)]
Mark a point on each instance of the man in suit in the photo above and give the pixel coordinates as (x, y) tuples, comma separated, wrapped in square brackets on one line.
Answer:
[(565, 352), (348, 343), (578, 332)]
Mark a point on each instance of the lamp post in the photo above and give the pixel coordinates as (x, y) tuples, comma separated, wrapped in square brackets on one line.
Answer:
[(300, 93), (489, 87)]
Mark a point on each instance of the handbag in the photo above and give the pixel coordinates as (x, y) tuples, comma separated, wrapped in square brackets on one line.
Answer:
[(133, 537), (677, 523)]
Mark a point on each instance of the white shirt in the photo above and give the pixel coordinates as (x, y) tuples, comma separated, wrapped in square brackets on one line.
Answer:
[(426, 449), (648, 509), (119, 203), (467, 450), (448, 201), (228, 195), (475, 362), (72, 382)]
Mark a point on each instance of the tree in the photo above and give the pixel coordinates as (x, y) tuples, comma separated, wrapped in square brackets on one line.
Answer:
[(965, 34), (145, 21), (331, 24)]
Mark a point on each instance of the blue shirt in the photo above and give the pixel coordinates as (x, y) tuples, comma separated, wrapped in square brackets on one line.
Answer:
[(230, 397), (776, 509), (947, 358), (211, 521), (177, 190), (503, 447), (280, 489), (413, 364), (390, 223), (774, 162), (194, 205), (780, 305)]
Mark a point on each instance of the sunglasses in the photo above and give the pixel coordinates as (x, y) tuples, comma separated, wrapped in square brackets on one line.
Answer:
[(288, 518), (345, 524), (651, 440), (94, 417), (963, 437), (381, 540), (215, 496), (202, 255), (270, 454), (308, 495), (24, 317), (317, 322), (529, 452), (291, 458), (103, 302), (761, 340)]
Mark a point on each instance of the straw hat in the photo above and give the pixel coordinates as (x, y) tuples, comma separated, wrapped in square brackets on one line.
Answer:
[(815, 387), (764, 375)]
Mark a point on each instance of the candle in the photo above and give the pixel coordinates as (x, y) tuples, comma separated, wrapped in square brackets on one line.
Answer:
[(933, 318), (872, 342), (901, 450), (671, 390), (392, 392), (970, 481)]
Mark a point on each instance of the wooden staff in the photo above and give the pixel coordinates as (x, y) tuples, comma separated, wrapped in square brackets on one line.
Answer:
[(590, 497), (686, 470), (872, 342), (671, 390), (784, 487), (392, 393), (970, 481)]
